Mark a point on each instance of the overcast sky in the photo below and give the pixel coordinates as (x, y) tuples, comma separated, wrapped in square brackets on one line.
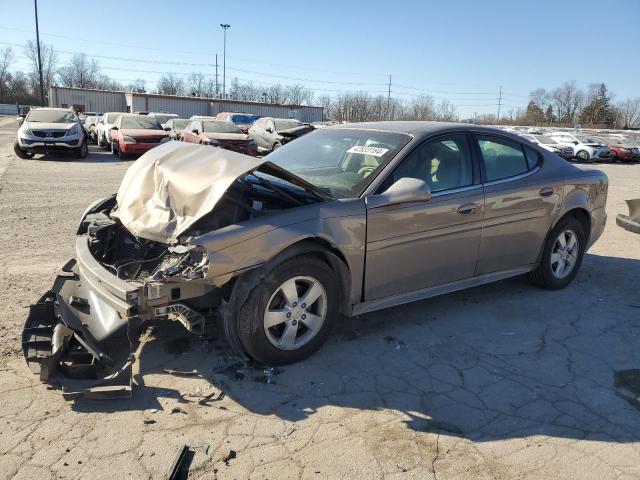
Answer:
[(462, 50)]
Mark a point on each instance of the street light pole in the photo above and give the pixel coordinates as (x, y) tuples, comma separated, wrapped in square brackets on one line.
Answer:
[(225, 27), (35, 2)]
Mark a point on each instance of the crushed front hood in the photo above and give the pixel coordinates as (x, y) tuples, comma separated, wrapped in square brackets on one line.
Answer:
[(173, 185)]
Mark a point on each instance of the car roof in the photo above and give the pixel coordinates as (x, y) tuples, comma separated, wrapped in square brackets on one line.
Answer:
[(420, 129)]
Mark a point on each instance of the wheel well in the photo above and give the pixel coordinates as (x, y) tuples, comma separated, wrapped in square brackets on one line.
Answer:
[(318, 247), (583, 217)]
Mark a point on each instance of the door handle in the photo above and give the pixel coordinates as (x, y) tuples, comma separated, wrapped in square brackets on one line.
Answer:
[(546, 191), (468, 209)]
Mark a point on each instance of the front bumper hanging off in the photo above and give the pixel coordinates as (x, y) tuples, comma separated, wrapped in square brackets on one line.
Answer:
[(64, 343)]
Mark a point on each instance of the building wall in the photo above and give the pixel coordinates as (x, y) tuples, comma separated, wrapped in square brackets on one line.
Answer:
[(107, 101), (87, 100), (302, 113)]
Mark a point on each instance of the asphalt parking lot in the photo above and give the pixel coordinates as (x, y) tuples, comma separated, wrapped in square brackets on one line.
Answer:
[(500, 381)]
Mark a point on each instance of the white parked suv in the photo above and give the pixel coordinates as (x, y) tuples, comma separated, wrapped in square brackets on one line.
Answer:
[(47, 130), (585, 149), (103, 129)]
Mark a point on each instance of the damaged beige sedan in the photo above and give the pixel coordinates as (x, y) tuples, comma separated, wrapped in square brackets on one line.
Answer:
[(343, 221)]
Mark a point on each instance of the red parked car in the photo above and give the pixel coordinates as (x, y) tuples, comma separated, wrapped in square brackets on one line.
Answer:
[(136, 134), (219, 133), (242, 120), (620, 151)]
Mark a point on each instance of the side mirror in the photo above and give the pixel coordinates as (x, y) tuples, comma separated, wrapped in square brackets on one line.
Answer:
[(114, 128), (167, 129), (195, 130), (575, 142), (269, 129), (405, 190)]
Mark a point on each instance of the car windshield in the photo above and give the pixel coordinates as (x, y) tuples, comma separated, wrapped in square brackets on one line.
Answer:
[(179, 123), (545, 140), (112, 117), (52, 116), (286, 124), (141, 122), (243, 119), (220, 127), (339, 161)]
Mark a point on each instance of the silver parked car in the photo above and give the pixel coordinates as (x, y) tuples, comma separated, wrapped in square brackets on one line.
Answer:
[(345, 220), (49, 130), (271, 133)]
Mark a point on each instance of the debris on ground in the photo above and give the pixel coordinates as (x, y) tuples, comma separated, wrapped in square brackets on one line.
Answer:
[(180, 466), (231, 456), (177, 410), (182, 373)]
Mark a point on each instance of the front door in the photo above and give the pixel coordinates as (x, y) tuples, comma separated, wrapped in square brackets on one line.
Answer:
[(424, 244)]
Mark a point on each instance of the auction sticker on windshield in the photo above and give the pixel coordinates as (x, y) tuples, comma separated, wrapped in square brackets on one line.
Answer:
[(374, 151)]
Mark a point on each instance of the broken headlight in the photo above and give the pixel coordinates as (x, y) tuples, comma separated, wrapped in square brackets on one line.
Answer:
[(187, 261)]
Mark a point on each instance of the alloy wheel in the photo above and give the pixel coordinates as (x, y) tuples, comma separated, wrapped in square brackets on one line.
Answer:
[(295, 313), (564, 253)]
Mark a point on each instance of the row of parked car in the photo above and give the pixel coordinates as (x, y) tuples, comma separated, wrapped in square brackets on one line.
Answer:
[(585, 145), (245, 133)]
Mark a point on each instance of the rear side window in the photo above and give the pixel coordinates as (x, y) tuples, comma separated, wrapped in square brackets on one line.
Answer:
[(502, 158), (533, 158)]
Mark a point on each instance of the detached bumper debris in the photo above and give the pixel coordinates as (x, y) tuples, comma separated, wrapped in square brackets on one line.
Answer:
[(630, 222)]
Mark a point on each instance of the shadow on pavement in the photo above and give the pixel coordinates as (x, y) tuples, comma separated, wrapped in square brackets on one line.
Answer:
[(494, 362)]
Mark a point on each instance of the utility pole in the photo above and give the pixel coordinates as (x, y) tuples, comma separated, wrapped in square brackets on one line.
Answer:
[(39, 58), (225, 27), (217, 84), (499, 104), (389, 100)]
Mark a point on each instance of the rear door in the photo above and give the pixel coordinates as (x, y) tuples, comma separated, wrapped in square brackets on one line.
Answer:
[(521, 201), (424, 244)]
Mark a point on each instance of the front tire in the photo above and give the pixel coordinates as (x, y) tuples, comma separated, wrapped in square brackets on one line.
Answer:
[(582, 156), (20, 153), (288, 315), (83, 150), (562, 255), (276, 146)]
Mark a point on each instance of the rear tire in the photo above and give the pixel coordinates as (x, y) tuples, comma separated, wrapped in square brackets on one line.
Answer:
[(560, 264), (20, 153), (310, 324), (276, 146)]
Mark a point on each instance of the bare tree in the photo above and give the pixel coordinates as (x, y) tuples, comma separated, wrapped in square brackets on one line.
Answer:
[(7, 58), (80, 72), (137, 86), (629, 113), (49, 65), (171, 84), (567, 100), (422, 108), (446, 112)]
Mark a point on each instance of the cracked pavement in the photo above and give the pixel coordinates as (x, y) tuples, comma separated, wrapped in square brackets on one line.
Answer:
[(500, 381)]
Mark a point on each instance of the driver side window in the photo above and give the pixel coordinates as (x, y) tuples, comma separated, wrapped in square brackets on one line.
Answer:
[(444, 164)]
